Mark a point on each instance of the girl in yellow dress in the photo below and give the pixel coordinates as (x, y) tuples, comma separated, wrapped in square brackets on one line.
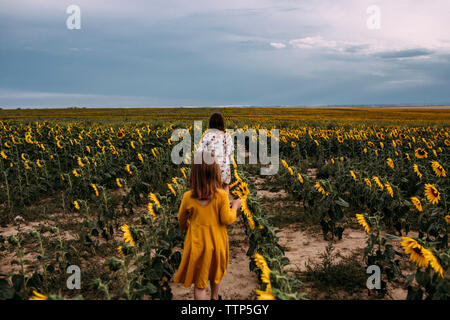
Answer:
[(205, 212)]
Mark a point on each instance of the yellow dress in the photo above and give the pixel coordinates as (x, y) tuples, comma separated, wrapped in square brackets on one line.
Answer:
[(205, 253)]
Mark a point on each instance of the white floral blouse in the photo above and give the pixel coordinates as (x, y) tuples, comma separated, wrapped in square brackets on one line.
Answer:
[(221, 145)]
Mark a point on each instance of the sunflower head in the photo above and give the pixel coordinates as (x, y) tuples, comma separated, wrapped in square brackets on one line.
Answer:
[(421, 153), (38, 296), (432, 193), (417, 252), (128, 234), (417, 203), (264, 295), (390, 163), (417, 171), (438, 169), (362, 221)]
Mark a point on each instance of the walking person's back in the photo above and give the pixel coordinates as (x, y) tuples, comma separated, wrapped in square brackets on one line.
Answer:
[(204, 213)]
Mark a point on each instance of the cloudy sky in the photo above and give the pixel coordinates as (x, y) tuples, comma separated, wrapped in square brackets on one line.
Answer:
[(228, 52)]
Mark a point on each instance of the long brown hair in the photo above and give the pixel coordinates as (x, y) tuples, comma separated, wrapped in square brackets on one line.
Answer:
[(217, 121), (205, 176)]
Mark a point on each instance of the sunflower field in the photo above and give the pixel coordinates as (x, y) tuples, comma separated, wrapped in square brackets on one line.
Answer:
[(104, 195)]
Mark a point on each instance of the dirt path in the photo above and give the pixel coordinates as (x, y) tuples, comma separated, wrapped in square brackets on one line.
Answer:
[(239, 283), (302, 246)]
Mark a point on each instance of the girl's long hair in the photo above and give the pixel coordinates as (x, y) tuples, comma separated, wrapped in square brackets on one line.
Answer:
[(217, 121), (205, 176)]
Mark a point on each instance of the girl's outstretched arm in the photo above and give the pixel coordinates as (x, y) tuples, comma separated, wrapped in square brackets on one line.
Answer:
[(227, 214)]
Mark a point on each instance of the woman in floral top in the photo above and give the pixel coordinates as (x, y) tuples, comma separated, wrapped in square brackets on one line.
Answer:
[(220, 144)]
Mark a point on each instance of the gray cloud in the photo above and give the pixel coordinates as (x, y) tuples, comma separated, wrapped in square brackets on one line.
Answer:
[(409, 53), (206, 52)]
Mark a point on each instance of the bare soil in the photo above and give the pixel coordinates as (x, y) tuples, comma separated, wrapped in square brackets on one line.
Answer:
[(239, 283)]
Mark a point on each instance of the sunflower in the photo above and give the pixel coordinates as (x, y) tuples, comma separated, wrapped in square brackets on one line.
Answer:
[(128, 169), (353, 174), (381, 145), (390, 163), (264, 295), (434, 263), (39, 164), (293, 144), (418, 254), (447, 142), (119, 184), (38, 296), (417, 171), (113, 149), (120, 134), (319, 188), (291, 171), (154, 198), (284, 163), (80, 163), (119, 248), (417, 203), (171, 189), (378, 182), (340, 139), (140, 157), (127, 236), (150, 210), (95, 189), (408, 157), (447, 218), (432, 193), (3, 154), (371, 144), (234, 165), (362, 221), (438, 169), (300, 178), (265, 270), (421, 153), (132, 145), (27, 165), (76, 204), (183, 171), (367, 181), (389, 189)]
